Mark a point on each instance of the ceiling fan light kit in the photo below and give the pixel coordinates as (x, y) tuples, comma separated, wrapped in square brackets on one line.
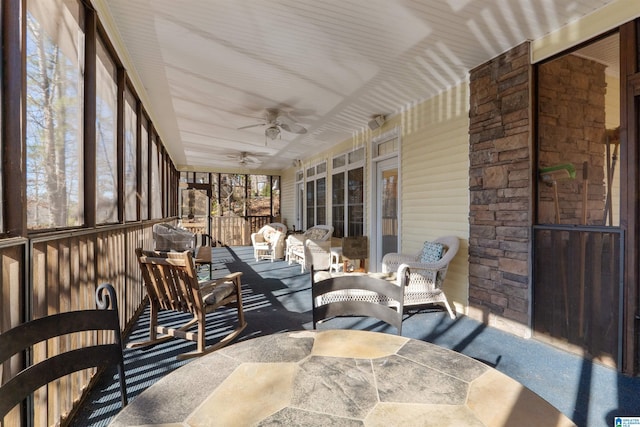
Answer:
[(272, 132), (275, 121)]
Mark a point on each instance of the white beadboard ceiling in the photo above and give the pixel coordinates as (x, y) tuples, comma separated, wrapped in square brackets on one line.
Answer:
[(210, 67)]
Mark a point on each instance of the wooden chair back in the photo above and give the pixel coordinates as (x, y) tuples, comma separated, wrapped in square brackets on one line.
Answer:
[(20, 340), (171, 282)]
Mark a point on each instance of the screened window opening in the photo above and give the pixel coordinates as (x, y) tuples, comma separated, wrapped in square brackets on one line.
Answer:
[(54, 131), (232, 194), (130, 156), (106, 142), (263, 197), (578, 137), (144, 169), (156, 180)]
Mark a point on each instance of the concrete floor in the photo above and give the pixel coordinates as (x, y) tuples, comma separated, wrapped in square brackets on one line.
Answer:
[(277, 299)]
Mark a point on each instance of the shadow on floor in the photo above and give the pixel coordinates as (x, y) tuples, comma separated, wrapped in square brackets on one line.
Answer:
[(277, 299)]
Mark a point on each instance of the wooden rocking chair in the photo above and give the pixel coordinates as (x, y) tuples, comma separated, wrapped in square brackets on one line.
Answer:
[(172, 284)]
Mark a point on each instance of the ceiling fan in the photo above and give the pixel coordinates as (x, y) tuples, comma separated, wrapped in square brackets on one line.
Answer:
[(244, 158), (275, 120)]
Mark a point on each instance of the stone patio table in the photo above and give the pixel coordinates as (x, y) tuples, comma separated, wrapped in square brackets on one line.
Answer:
[(338, 378)]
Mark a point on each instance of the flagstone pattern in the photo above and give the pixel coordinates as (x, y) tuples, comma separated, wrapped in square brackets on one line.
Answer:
[(340, 378)]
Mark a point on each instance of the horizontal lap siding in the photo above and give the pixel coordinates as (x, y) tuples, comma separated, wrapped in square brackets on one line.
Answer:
[(435, 181), (287, 198)]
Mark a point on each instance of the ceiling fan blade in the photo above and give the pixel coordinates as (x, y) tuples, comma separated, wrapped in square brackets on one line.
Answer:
[(272, 114), (251, 159), (288, 123), (244, 158), (251, 126), (293, 128)]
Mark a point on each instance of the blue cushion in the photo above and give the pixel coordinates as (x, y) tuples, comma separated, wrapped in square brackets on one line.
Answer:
[(431, 252)]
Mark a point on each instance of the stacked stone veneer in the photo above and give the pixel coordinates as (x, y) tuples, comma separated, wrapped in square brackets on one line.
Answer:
[(571, 123), (500, 187)]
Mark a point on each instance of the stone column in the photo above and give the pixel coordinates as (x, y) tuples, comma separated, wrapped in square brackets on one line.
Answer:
[(500, 218)]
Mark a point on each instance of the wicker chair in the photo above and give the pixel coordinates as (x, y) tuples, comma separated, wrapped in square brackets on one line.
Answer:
[(295, 242), (344, 291), (268, 242), (317, 255), (426, 278), (357, 295)]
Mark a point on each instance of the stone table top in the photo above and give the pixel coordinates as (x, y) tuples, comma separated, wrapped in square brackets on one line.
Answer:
[(338, 378)]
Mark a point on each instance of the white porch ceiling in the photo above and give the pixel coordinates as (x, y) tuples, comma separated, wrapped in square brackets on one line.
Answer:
[(210, 67)]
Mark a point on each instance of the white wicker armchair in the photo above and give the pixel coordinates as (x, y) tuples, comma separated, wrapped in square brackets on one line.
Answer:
[(426, 278), (268, 242), (295, 242)]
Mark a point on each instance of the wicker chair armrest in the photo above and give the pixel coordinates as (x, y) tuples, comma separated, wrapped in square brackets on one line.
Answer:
[(278, 238), (296, 240), (257, 238), (278, 245), (419, 266), (392, 260), (403, 274), (437, 265), (428, 273)]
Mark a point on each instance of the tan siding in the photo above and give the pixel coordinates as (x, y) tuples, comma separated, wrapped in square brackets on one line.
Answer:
[(435, 182), (287, 196)]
